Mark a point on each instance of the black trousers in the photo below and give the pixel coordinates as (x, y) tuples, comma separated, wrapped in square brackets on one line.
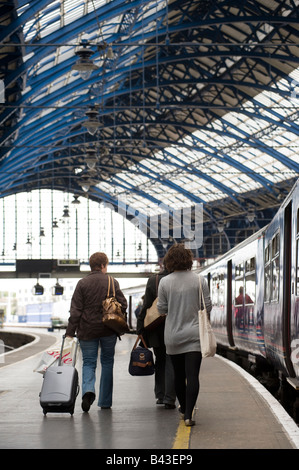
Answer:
[(164, 376), (186, 378)]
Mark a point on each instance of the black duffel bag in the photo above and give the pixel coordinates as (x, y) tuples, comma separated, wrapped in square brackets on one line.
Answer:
[(141, 360)]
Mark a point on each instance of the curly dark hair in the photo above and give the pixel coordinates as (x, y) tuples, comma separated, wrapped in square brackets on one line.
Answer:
[(178, 258)]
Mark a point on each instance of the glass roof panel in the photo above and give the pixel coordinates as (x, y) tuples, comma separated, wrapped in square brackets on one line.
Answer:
[(228, 150)]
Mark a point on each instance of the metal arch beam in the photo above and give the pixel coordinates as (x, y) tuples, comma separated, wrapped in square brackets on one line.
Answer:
[(79, 84), (8, 165), (123, 92), (50, 120), (272, 152), (183, 27), (189, 168), (89, 21), (13, 184), (53, 98), (35, 7), (155, 176), (102, 196), (227, 159), (220, 186), (118, 181), (47, 77)]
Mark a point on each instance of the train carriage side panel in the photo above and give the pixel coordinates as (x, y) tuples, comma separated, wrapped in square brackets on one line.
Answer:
[(239, 324), (277, 302), (247, 311), (218, 292), (294, 282)]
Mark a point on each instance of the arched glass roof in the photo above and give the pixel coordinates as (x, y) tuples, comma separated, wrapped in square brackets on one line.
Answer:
[(195, 101)]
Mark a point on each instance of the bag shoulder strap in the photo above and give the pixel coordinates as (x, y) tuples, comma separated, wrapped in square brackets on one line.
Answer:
[(111, 281), (201, 296), (140, 337)]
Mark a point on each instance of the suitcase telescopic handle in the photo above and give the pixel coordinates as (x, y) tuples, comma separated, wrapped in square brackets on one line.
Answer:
[(61, 350)]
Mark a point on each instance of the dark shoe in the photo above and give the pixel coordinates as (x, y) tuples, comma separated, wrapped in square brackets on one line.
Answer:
[(105, 407), (182, 415), (87, 400), (189, 422), (159, 401), (168, 406)]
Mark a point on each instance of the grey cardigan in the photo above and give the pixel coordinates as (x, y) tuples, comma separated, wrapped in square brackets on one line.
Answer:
[(178, 297)]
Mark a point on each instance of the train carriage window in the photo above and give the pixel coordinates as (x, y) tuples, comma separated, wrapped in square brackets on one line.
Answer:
[(250, 281), (239, 284), (272, 267), (267, 283), (275, 268), (267, 254), (297, 255), (221, 291), (297, 269), (217, 291), (214, 290)]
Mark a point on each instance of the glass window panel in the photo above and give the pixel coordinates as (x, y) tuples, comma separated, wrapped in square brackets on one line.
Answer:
[(275, 279), (267, 283), (250, 285)]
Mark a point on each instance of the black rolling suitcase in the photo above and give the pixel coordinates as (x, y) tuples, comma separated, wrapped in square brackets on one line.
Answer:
[(60, 387)]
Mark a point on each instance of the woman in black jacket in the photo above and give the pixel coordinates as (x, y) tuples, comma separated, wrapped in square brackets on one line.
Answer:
[(164, 374)]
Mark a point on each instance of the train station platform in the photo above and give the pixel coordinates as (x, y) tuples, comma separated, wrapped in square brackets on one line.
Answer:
[(233, 412)]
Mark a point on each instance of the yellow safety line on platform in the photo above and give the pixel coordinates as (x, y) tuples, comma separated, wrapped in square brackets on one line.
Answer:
[(182, 436)]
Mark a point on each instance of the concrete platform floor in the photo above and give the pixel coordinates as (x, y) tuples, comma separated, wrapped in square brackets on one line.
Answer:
[(231, 412)]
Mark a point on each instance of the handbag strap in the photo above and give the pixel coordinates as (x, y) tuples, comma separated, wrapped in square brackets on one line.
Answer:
[(110, 281), (157, 284), (201, 296), (140, 337)]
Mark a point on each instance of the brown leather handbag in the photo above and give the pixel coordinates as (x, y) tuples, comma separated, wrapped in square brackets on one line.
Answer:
[(113, 317)]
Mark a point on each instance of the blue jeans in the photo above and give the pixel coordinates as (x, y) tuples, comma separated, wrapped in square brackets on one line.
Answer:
[(90, 355)]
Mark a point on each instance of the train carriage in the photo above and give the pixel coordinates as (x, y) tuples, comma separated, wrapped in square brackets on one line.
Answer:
[(255, 295), (234, 280)]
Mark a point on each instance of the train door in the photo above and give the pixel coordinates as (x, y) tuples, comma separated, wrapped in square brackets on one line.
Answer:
[(286, 301), (229, 304)]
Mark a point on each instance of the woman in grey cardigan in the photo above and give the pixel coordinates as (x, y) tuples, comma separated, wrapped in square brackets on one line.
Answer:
[(178, 297)]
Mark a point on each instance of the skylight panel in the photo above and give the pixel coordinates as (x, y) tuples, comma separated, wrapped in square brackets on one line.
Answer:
[(73, 10)]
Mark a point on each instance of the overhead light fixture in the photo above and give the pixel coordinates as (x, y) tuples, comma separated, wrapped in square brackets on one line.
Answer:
[(105, 51), (92, 124), (66, 212), (104, 151), (84, 65), (38, 289), (220, 226), (85, 184), (57, 289), (75, 200), (90, 158), (251, 214)]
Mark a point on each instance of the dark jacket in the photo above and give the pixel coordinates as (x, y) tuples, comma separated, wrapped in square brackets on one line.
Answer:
[(153, 338), (86, 306)]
